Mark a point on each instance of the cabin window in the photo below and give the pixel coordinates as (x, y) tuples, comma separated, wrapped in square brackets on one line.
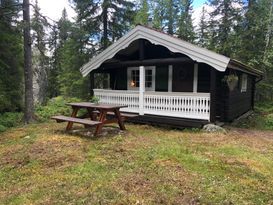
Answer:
[(133, 78), (244, 83)]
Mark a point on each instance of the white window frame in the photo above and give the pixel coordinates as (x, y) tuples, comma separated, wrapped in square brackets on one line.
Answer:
[(129, 72), (244, 83)]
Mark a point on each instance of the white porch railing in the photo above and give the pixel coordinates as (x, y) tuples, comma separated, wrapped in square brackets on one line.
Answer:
[(184, 105), (119, 97)]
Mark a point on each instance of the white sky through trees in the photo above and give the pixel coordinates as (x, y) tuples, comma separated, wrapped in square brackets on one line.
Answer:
[(53, 8)]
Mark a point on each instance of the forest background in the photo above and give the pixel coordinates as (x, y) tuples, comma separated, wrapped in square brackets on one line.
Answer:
[(240, 29)]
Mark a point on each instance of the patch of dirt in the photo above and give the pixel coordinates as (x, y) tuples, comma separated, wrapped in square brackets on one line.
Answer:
[(261, 134), (257, 139), (57, 152), (107, 131), (14, 157), (146, 186)]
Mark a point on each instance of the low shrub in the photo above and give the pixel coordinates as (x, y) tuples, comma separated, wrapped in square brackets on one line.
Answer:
[(269, 122), (264, 107), (3, 128), (10, 119), (55, 106)]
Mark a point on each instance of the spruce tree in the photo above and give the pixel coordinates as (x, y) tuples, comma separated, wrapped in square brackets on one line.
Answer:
[(165, 15), (106, 19), (59, 36), (185, 28), (28, 72), (202, 30), (11, 59), (158, 14), (142, 16), (224, 18)]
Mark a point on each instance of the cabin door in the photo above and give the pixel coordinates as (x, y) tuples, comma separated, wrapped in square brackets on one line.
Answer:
[(183, 78)]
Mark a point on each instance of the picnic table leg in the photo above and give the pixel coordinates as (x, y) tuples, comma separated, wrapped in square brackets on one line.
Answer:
[(120, 121), (101, 119), (74, 114), (91, 114)]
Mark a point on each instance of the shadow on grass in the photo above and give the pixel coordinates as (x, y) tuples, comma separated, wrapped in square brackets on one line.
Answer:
[(88, 133)]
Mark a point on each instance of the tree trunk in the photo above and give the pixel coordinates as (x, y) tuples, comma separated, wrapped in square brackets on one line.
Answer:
[(105, 26), (28, 73)]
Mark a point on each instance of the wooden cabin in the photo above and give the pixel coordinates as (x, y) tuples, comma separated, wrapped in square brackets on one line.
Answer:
[(169, 81)]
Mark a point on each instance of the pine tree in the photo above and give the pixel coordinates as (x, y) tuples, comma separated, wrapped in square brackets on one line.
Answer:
[(11, 59), (203, 29), (59, 36), (165, 15), (105, 19), (158, 13), (71, 57), (170, 16), (142, 16), (53, 89), (224, 18), (29, 102), (185, 28)]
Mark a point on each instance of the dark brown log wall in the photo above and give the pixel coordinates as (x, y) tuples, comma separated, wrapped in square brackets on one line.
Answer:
[(203, 78), (240, 102), (232, 104), (183, 77)]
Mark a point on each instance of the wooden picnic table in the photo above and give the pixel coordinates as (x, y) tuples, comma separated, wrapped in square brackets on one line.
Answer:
[(92, 109)]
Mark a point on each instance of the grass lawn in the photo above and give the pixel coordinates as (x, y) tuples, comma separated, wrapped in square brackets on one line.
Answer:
[(41, 164)]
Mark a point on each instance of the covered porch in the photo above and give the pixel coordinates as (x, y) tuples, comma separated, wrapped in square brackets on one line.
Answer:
[(171, 104), (167, 88)]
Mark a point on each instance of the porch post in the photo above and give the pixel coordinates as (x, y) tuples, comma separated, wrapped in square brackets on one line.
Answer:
[(92, 83), (170, 79), (212, 95), (195, 78), (141, 89)]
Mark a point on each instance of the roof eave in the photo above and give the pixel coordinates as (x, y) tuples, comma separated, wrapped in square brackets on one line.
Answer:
[(237, 65)]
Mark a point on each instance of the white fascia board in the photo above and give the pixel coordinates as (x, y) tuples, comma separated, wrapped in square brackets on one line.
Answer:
[(219, 62), (108, 53)]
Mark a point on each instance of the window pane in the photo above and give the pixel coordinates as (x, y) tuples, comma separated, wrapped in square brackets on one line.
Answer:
[(149, 78), (148, 84), (134, 78), (244, 83), (148, 72)]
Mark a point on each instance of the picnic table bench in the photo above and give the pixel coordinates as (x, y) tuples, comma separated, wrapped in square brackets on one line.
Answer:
[(102, 110), (61, 118)]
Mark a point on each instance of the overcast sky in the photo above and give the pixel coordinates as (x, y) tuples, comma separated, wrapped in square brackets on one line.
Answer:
[(53, 8)]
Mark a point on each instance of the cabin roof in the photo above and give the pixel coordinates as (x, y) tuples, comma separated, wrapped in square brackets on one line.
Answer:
[(174, 44)]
